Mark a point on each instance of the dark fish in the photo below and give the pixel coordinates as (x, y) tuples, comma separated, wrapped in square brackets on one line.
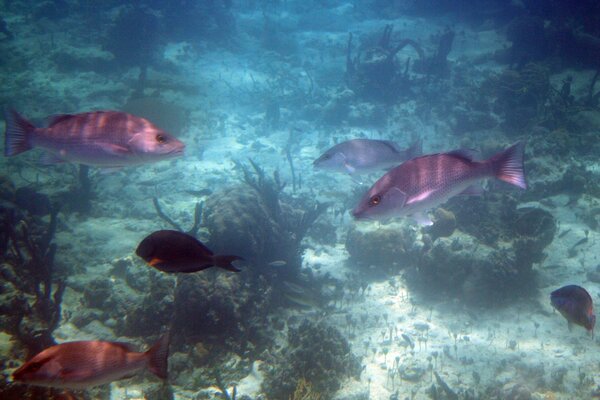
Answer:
[(84, 364), (358, 156), (100, 138), (425, 182), (174, 251), (575, 304)]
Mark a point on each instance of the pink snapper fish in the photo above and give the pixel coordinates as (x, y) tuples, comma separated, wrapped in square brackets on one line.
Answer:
[(425, 182), (109, 139), (84, 364)]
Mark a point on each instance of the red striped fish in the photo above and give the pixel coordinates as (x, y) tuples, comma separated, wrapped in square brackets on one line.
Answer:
[(100, 138), (425, 182), (84, 364)]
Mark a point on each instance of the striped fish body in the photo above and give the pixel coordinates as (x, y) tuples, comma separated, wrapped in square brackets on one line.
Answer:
[(84, 364), (100, 138), (426, 182)]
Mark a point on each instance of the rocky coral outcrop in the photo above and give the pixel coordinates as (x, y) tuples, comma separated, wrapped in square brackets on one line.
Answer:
[(381, 250), (317, 354), (490, 261)]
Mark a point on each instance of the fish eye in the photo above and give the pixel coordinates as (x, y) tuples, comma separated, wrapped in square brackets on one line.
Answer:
[(373, 201), (160, 138), (34, 367)]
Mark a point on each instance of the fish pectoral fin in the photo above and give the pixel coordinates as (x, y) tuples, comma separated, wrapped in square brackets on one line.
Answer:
[(114, 149), (349, 168), (397, 197), (155, 261), (72, 374)]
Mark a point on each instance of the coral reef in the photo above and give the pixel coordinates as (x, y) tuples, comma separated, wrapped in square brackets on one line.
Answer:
[(520, 96), (437, 64), (317, 355), (31, 290), (381, 251), (375, 73), (492, 263), (259, 224)]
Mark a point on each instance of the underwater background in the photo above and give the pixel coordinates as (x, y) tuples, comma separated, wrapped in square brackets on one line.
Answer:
[(326, 306)]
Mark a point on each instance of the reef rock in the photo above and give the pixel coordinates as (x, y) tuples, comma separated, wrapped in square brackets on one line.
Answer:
[(382, 249), (317, 357), (477, 270)]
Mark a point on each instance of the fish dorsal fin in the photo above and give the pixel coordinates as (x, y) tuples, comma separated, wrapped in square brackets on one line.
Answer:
[(392, 145), (466, 154), (55, 119), (203, 246)]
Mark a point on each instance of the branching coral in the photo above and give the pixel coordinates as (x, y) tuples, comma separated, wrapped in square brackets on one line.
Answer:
[(257, 223), (520, 95), (30, 291), (375, 72), (32, 262), (304, 391), (197, 217)]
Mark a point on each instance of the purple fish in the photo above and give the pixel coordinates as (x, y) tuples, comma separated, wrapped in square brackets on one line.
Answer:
[(174, 251), (100, 138), (575, 304), (83, 364), (425, 182), (359, 156)]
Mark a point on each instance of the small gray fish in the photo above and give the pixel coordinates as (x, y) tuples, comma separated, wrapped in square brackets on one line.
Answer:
[(359, 156), (425, 182), (278, 263), (108, 139)]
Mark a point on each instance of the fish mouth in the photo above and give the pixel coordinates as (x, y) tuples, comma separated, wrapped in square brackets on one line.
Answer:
[(178, 152), (358, 215), (361, 216)]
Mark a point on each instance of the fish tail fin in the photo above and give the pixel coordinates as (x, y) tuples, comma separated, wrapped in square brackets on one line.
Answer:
[(18, 131), (415, 149), (225, 262), (158, 357), (508, 165)]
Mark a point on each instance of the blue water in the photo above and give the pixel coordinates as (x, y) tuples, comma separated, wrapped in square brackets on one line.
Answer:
[(325, 306)]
